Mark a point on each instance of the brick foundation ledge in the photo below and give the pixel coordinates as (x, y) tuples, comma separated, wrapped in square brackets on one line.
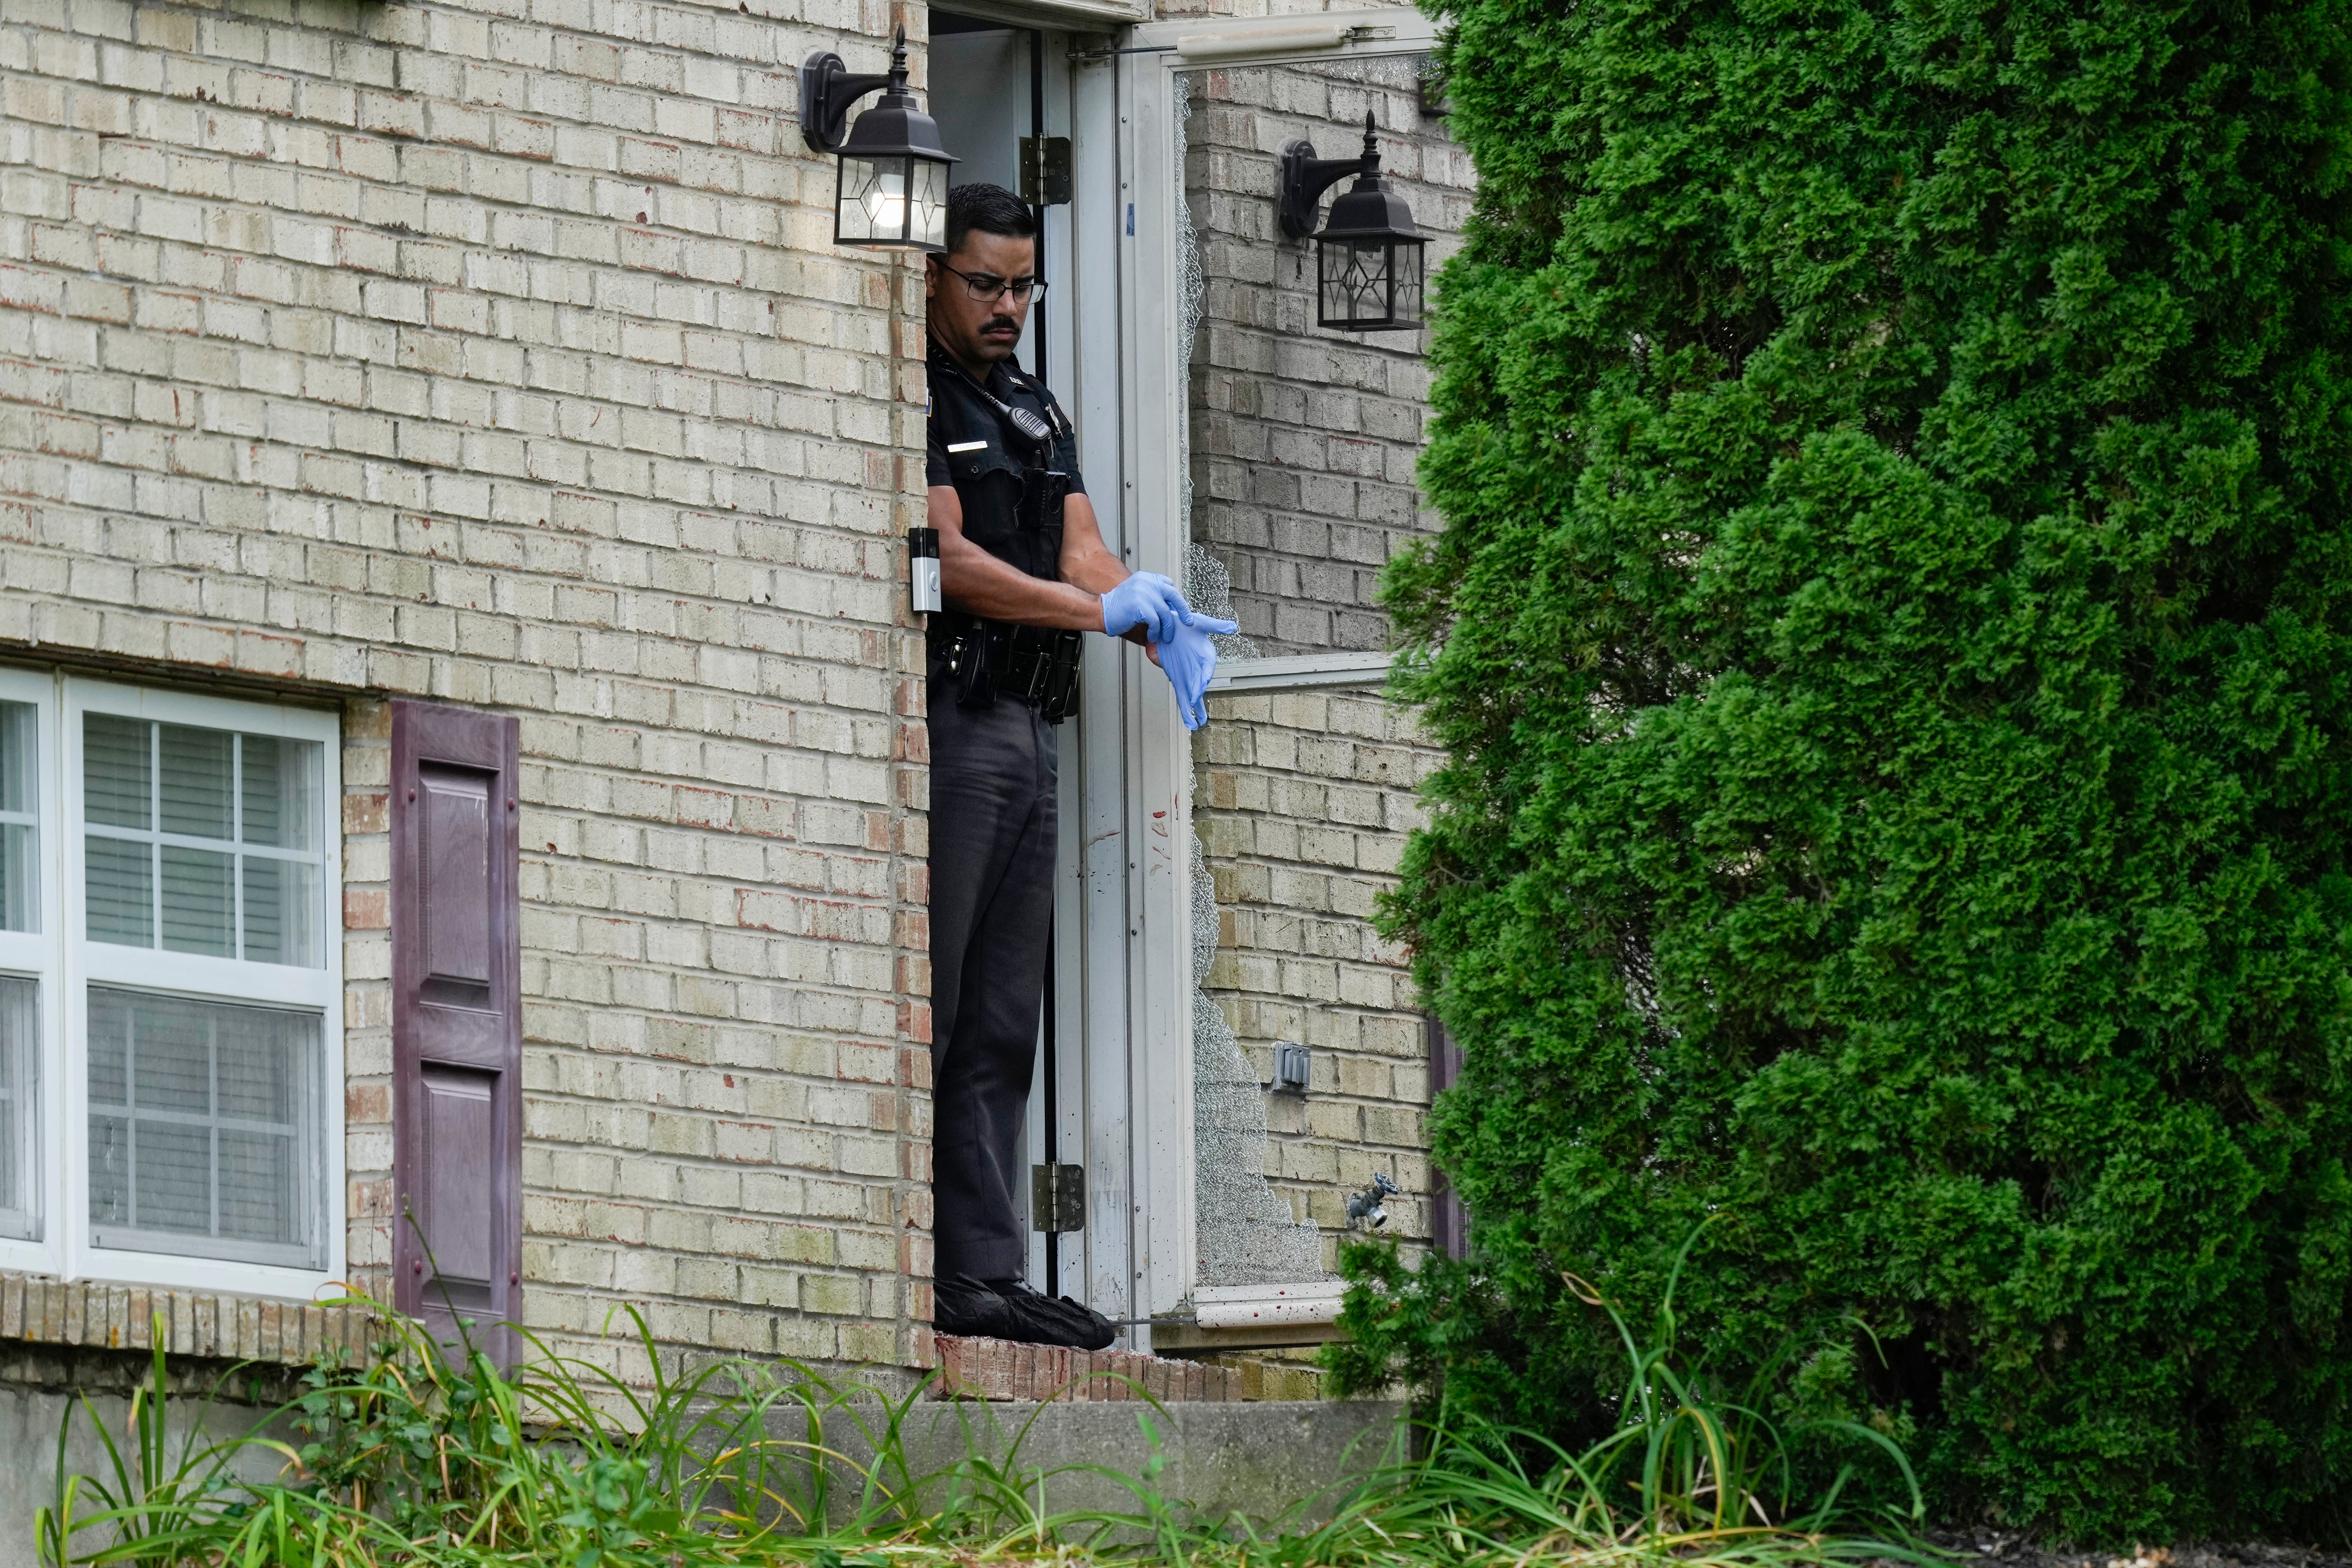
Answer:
[(1000, 1369), (92, 1315)]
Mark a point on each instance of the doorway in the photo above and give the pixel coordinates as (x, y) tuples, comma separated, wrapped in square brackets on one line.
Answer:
[(989, 88), (993, 84), (984, 93), (1113, 338)]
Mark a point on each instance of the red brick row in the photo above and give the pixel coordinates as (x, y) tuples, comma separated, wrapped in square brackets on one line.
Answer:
[(999, 1368)]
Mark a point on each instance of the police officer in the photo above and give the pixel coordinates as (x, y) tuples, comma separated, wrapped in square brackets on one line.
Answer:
[(1024, 573)]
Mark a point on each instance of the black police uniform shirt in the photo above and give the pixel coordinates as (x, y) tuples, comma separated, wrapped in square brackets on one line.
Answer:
[(974, 451)]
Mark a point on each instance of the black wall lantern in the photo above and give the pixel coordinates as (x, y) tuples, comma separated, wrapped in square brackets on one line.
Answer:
[(1368, 260), (893, 188)]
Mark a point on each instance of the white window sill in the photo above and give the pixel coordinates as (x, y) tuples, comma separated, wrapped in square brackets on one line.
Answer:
[(1298, 672)]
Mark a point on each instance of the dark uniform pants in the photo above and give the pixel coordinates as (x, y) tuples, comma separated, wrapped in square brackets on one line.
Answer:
[(992, 848)]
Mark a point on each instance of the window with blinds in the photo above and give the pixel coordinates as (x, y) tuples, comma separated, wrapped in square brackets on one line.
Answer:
[(204, 1129), (20, 871), (202, 999), (171, 987), (201, 841)]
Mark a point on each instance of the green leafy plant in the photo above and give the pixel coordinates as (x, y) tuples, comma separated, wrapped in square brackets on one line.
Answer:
[(1890, 638)]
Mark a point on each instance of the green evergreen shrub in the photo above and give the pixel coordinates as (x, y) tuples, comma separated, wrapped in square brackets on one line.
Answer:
[(1893, 634)]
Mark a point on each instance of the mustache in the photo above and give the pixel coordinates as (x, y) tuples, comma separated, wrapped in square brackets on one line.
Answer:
[(995, 321)]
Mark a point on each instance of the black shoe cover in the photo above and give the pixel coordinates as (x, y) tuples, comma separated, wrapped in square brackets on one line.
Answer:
[(1053, 1319), (963, 1306), (1009, 1309)]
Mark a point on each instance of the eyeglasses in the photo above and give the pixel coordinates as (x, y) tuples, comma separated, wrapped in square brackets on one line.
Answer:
[(988, 288)]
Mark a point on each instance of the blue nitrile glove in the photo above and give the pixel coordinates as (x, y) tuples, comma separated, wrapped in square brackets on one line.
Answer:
[(1146, 600), (1190, 659)]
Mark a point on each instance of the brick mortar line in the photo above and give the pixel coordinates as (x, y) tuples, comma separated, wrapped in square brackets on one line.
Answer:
[(293, 24), (396, 509), (431, 422), (500, 617), (486, 203), (441, 334), (427, 421), (919, 44), (401, 139), (711, 1162), (201, 621), (347, 453)]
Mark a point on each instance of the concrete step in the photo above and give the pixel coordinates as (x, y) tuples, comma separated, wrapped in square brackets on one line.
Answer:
[(1259, 1459)]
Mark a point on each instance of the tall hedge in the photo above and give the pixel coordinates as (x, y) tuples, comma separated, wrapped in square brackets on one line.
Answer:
[(1893, 634)]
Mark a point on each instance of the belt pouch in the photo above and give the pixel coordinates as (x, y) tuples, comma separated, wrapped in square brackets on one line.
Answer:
[(1028, 663), (976, 680), (1060, 696)]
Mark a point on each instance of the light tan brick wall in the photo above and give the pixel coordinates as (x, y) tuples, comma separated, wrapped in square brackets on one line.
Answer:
[(368, 1200), (1303, 439), (1303, 446), (1303, 801), (496, 350)]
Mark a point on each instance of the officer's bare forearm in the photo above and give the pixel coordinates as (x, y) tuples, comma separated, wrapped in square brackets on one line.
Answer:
[(973, 581), (1087, 562)]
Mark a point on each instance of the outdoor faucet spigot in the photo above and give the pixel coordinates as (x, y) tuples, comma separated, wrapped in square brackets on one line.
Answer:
[(1366, 1206)]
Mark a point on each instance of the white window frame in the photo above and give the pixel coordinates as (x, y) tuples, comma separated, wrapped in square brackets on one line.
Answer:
[(35, 955), (74, 963)]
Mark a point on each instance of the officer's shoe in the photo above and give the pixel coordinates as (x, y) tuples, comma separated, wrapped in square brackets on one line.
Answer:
[(1053, 1319), (963, 1306), (1009, 1309)]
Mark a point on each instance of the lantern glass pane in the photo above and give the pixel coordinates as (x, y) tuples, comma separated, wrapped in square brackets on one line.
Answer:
[(1370, 284), (928, 223), (1407, 268), (899, 200), (871, 206)]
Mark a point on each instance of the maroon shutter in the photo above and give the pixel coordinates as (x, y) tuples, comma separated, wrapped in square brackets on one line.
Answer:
[(1449, 1222), (456, 1021)]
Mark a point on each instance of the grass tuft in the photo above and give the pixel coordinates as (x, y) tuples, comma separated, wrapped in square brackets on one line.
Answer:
[(420, 1459)]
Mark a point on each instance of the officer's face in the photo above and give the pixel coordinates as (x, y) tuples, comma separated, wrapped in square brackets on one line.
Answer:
[(979, 332)]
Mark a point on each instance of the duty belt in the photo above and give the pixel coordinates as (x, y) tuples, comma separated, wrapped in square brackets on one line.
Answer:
[(1031, 665)]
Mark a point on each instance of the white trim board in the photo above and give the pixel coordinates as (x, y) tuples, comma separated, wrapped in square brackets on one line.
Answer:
[(1300, 672), (1279, 40), (1080, 15), (1265, 1306)]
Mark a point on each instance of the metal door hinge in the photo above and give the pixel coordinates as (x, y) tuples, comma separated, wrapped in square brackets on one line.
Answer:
[(1046, 170), (1057, 1198)]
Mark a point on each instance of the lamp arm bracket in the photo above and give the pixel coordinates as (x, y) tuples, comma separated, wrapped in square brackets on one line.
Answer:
[(827, 92), (1301, 180)]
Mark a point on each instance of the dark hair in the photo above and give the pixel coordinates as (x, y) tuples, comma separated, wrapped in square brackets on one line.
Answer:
[(992, 209)]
